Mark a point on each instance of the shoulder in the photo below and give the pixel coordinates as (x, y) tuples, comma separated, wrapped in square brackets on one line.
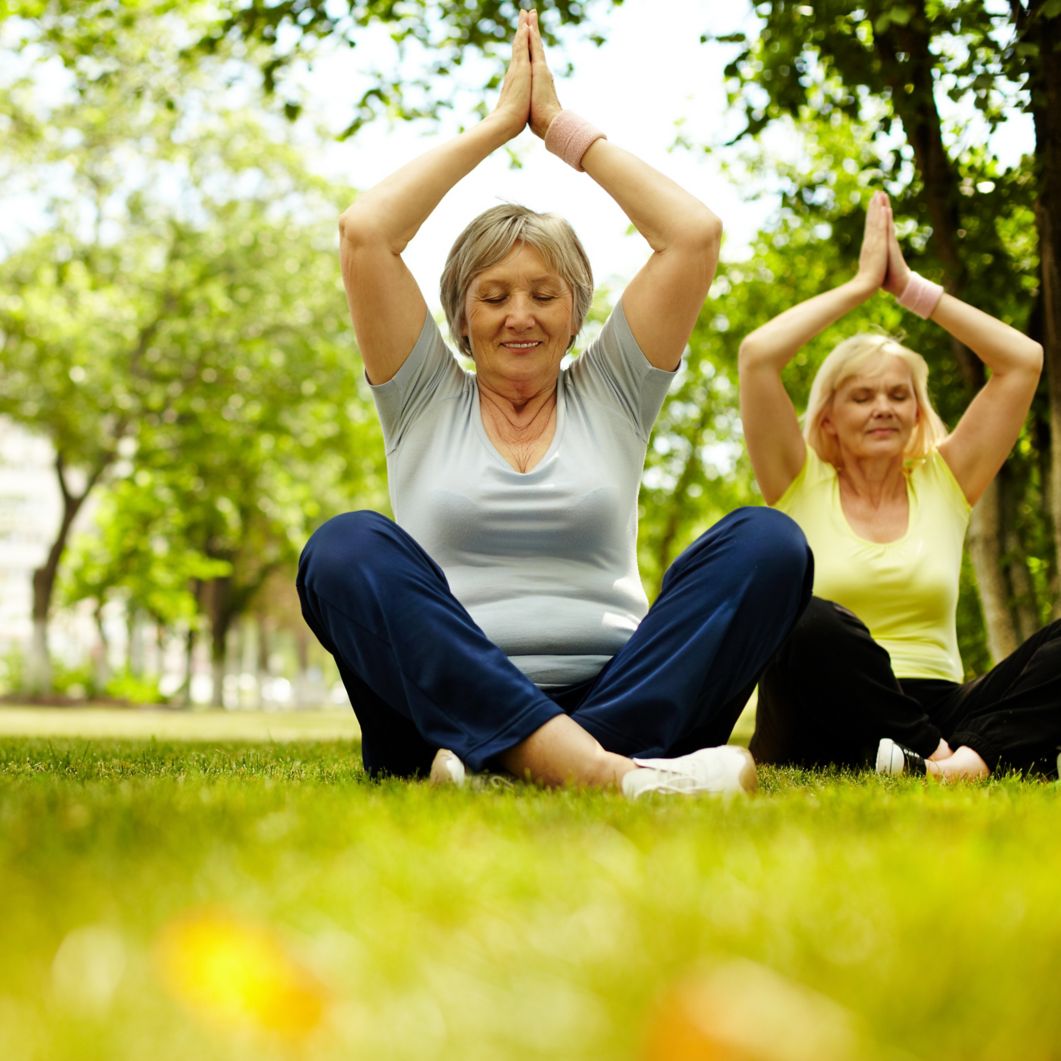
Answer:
[(932, 474), (429, 373), (614, 372), (815, 474)]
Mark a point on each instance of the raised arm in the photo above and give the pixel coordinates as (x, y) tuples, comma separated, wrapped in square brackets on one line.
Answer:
[(663, 300), (771, 426), (386, 305), (979, 445)]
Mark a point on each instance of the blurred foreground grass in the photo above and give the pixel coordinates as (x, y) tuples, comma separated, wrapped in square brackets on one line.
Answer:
[(169, 899)]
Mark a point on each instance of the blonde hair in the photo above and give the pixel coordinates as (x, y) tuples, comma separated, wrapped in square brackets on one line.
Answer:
[(852, 357), (490, 237)]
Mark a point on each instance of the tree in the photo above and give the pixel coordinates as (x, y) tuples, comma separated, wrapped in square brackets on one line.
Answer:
[(891, 65), (282, 37), (185, 271)]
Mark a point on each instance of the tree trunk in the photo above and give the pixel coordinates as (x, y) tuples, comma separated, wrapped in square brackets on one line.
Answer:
[(38, 663), (38, 679), (1045, 87), (134, 641), (985, 547), (102, 668), (302, 680), (219, 593), (183, 695), (907, 63), (261, 662)]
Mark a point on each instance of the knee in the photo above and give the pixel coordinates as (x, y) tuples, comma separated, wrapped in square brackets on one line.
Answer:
[(343, 546), (773, 542)]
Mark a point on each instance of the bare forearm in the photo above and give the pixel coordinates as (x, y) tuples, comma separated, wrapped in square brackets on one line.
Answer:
[(775, 343), (394, 209)]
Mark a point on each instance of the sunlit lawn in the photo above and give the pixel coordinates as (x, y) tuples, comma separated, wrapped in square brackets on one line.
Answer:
[(170, 898)]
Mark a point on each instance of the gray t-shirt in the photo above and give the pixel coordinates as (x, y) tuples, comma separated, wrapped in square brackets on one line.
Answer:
[(545, 561)]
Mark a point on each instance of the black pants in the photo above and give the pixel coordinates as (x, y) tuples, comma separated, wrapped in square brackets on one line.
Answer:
[(829, 695)]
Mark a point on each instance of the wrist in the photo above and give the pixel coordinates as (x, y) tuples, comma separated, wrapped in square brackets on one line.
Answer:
[(502, 126), (919, 295), (863, 285), (570, 137)]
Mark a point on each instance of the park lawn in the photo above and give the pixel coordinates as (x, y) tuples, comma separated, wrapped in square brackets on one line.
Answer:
[(171, 899)]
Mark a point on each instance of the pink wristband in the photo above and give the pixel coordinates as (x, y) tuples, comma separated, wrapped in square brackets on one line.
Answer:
[(920, 296), (570, 137)]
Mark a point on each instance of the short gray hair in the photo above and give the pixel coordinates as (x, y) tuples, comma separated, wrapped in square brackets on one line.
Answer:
[(490, 237)]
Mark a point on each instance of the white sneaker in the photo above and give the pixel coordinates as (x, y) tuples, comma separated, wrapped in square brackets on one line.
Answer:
[(447, 769), (728, 769)]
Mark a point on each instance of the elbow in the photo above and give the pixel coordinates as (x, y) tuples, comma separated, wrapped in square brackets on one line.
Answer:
[(747, 353), (1035, 357), (358, 228), (698, 237), (352, 226), (705, 233)]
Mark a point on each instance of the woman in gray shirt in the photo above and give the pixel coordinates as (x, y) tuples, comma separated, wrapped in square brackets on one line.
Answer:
[(500, 619)]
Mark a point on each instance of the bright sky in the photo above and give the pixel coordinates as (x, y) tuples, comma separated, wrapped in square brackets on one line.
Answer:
[(650, 76)]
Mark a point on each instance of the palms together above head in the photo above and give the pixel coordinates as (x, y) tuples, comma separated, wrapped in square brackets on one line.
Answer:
[(873, 257), (528, 94), (880, 261), (545, 105)]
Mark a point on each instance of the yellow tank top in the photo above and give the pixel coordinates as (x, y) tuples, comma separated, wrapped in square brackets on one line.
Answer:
[(905, 591)]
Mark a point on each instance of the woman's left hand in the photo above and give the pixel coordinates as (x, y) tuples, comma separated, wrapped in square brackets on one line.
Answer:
[(544, 105), (897, 275)]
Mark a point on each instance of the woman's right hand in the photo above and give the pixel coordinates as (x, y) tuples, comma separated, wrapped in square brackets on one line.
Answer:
[(513, 106), (873, 258)]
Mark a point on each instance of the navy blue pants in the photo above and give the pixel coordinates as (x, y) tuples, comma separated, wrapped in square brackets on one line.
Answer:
[(421, 675)]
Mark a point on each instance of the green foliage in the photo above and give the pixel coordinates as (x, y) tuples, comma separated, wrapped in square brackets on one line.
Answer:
[(92, 41), (74, 680), (133, 688), (570, 918), (12, 670), (177, 330), (867, 94)]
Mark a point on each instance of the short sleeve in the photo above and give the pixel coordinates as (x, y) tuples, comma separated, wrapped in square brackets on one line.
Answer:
[(430, 371), (615, 371)]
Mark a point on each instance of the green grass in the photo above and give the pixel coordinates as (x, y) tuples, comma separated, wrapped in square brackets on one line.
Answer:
[(872, 918)]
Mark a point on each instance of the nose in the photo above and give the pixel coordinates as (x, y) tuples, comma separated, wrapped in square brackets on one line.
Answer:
[(520, 313)]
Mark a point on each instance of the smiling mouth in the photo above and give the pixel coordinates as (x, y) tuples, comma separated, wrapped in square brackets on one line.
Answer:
[(522, 345)]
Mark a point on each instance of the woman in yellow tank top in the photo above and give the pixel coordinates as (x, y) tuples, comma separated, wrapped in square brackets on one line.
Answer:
[(883, 493)]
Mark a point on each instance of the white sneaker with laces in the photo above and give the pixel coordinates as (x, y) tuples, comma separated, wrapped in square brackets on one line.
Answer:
[(726, 770)]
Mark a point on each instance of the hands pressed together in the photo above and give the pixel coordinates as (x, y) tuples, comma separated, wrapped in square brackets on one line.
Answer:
[(880, 262), (528, 94)]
